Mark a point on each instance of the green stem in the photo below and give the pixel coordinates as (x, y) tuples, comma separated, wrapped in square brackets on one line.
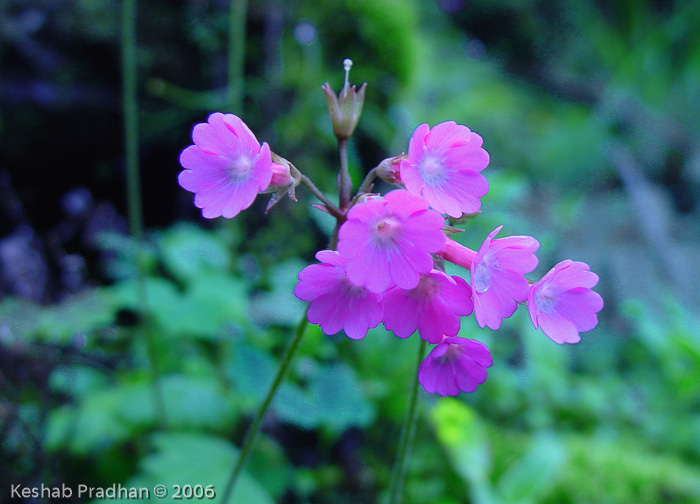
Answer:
[(344, 181), (250, 436), (236, 54), (398, 472), (133, 180), (332, 209), (367, 182)]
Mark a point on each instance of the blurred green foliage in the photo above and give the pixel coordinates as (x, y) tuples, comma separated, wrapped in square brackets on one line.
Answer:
[(552, 87)]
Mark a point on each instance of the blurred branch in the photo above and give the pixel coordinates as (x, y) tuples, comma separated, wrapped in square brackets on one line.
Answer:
[(135, 210), (186, 98), (627, 109), (398, 472), (651, 210), (236, 55)]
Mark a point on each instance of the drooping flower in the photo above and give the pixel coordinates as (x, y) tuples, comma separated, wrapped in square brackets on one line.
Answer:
[(456, 364), (433, 307), (389, 240), (226, 167), (562, 303), (336, 303), (443, 166), (498, 281)]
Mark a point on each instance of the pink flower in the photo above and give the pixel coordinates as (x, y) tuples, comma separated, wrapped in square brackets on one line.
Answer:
[(497, 273), (443, 166), (335, 302), (226, 167), (390, 240), (562, 303), (456, 364), (433, 307)]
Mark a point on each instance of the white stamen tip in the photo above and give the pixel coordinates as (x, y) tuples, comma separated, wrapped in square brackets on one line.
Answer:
[(347, 65)]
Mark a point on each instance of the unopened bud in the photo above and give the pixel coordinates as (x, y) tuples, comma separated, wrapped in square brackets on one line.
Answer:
[(464, 218), (345, 109), (285, 179), (389, 170), (280, 175), (364, 197)]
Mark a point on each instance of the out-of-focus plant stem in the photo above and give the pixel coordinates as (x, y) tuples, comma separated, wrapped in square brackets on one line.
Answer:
[(398, 472), (236, 54), (133, 180), (251, 434)]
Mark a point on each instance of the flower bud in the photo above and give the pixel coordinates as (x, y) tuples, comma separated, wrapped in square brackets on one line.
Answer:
[(389, 170), (285, 179), (344, 109), (364, 197), (281, 175)]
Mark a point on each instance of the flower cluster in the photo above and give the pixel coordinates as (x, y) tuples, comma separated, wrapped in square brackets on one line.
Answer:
[(389, 264)]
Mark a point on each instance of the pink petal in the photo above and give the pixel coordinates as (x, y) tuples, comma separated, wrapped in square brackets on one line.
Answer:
[(400, 312), (213, 137), (423, 230), (329, 312), (402, 271), (570, 274), (365, 211), (558, 329), (411, 178), (240, 197), (330, 257), (580, 306), (416, 144), (403, 204), (316, 280), (241, 130), (262, 172)]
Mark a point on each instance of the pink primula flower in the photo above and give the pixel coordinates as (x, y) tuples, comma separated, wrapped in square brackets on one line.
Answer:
[(562, 303), (336, 303), (433, 307), (456, 364), (226, 167), (389, 240), (443, 166), (498, 281)]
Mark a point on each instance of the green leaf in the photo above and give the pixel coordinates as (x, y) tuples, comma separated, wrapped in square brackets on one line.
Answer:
[(251, 370), (280, 306), (77, 381), (196, 459), (212, 301), (528, 479), (92, 425), (338, 396), (107, 416), (190, 402), (293, 405), (189, 251), (462, 435)]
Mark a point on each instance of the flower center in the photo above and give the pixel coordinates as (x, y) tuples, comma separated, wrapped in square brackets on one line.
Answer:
[(387, 228), (427, 288), (545, 300), (239, 168), (352, 291), (482, 278), (453, 353), (431, 168)]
